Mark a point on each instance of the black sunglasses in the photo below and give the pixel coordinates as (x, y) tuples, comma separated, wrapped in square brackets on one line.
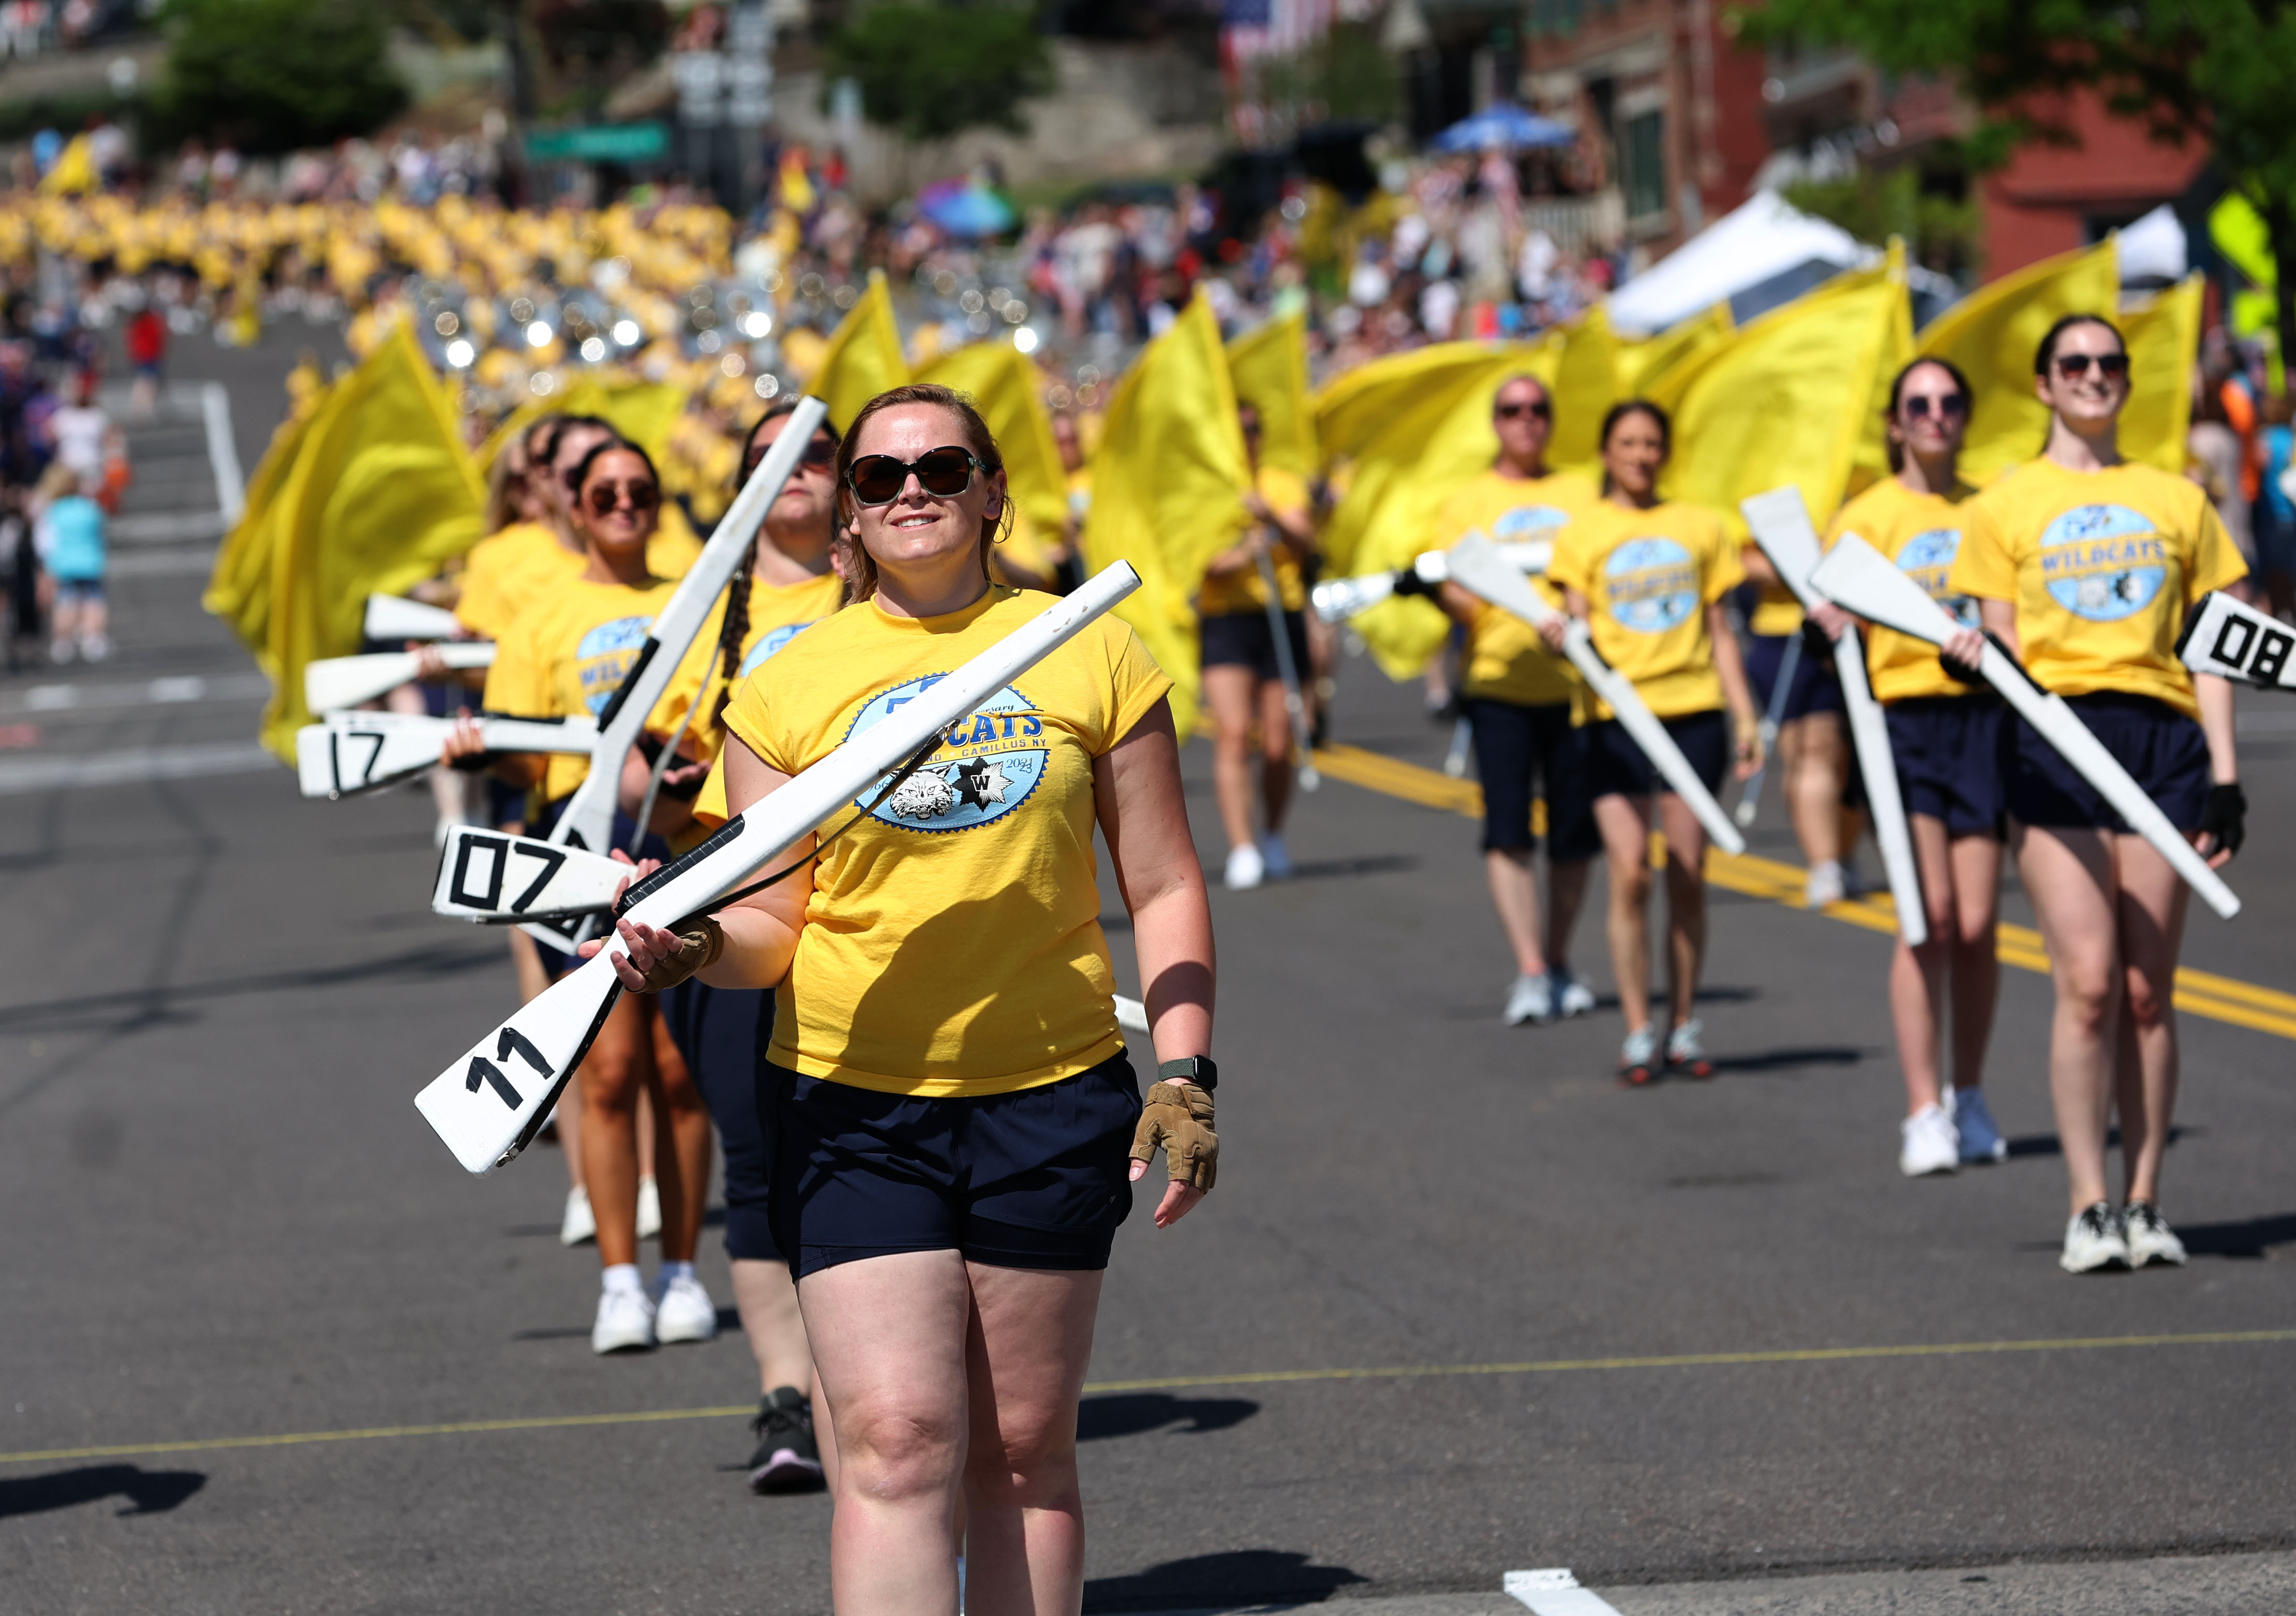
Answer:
[(1508, 412), (818, 453), (2069, 366), (604, 497), (878, 479), (1948, 406)]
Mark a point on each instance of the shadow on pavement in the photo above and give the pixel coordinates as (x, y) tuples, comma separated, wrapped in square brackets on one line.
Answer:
[(1789, 1060), (2046, 1144), (1129, 1413), (149, 1492), (1248, 1575), (2253, 1237)]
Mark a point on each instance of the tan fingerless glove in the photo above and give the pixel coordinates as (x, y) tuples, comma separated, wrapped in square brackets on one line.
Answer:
[(701, 940), (1178, 1116)]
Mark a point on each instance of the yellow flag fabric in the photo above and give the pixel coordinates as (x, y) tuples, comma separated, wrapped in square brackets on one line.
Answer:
[(645, 413), (1416, 428), (1269, 365), (1869, 462), (1643, 361), (239, 590), (2164, 347), (1006, 389), (1168, 485), (863, 357), (1991, 335), (376, 497), (1583, 377), (1783, 399), (74, 170)]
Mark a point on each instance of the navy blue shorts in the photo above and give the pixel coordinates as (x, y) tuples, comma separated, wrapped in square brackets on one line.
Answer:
[(1038, 1178), (505, 803), (1815, 687), (2163, 750), (1241, 639), (1619, 769), (723, 1033), (1948, 753), (1516, 745), (556, 961)]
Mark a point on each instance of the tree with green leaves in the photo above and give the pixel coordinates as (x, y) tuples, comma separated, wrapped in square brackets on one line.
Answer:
[(2219, 71), (275, 75), (929, 70)]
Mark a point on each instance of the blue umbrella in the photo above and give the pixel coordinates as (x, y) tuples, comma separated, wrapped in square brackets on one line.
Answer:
[(1504, 125), (968, 211)]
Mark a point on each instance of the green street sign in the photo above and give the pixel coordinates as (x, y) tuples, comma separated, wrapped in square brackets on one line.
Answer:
[(607, 143)]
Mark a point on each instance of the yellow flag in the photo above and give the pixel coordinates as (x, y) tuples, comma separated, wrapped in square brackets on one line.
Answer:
[(1168, 485), (1269, 365), (239, 590), (2164, 346), (643, 412), (1643, 361), (1869, 462), (863, 357), (1585, 383), (1782, 400), (1416, 427), (378, 495), (73, 171), (1007, 391), (1992, 334)]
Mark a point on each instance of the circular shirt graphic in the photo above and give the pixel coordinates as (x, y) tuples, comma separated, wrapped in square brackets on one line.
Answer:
[(1528, 521), (1652, 585), (988, 765), (773, 640), (603, 656), (1927, 557), (2102, 562)]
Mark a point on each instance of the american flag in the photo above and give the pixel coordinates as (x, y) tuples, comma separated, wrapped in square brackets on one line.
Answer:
[(1250, 29)]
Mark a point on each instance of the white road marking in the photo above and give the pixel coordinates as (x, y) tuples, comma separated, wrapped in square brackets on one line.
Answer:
[(160, 527), (1555, 1592), (164, 563), (223, 453), (132, 766), (166, 690)]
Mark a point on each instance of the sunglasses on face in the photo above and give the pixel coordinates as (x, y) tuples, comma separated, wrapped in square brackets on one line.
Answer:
[(1946, 406), (1537, 409), (604, 497), (816, 456), (878, 479), (2112, 367)]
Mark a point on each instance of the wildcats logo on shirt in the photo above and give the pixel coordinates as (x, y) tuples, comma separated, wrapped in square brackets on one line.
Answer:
[(1652, 585), (602, 659), (2102, 562), (1523, 521), (989, 763), (772, 641), (1927, 557)]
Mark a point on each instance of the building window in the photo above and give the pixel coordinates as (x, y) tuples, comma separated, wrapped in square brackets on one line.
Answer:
[(1645, 164)]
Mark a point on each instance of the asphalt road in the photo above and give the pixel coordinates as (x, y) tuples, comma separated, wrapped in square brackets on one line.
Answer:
[(1673, 1339)]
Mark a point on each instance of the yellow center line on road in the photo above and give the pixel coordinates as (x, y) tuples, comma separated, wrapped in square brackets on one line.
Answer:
[(2203, 992), (1180, 1382)]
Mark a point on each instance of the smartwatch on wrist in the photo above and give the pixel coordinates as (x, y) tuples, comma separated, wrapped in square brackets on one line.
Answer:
[(1197, 1068)]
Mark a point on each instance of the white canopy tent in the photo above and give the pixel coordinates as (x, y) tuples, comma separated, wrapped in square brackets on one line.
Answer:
[(1759, 241)]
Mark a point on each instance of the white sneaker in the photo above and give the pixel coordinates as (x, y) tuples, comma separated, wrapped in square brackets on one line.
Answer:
[(60, 652), (95, 648), (1685, 1049), (1572, 996), (579, 1226), (1246, 869), (2150, 1238), (1973, 1117), (1928, 1144), (649, 1208), (2094, 1240), (1638, 1062), (625, 1322), (1276, 856), (1825, 884), (683, 1312), (1530, 999)]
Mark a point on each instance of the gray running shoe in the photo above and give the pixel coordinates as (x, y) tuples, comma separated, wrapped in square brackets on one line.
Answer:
[(2094, 1240), (2150, 1238)]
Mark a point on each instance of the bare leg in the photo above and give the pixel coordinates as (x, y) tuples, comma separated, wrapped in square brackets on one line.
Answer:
[(1685, 904), (681, 1172), (1976, 955), (1917, 976), (613, 1075), (1276, 762), (526, 960), (2152, 906), (1625, 824), (2071, 877), (1228, 690), (1811, 751), (649, 1165), (1514, 894), (1031, 1341), (1566, 895), (765, 1297)]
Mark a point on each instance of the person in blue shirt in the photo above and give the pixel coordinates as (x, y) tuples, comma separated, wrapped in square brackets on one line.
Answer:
[(68, 532)]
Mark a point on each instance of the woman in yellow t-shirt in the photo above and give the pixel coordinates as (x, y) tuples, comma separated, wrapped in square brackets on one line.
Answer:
[(1243, 678), (954, 1103), (1648, 577), (1945, 739), (566, 655), (2085, 565)]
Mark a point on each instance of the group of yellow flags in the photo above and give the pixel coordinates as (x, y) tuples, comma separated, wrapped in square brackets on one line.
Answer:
[(369, 490)]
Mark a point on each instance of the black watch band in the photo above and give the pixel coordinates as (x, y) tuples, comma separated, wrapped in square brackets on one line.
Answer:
[(1197, 1068)]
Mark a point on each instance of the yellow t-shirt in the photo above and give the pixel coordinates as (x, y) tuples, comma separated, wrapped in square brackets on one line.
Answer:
[(952, 943), (2102, 566), (566, 655), (778, 614), (1921, 533), (1246, 591), (1648, 576), (509, 571), (1506, 661), (1777, 611)]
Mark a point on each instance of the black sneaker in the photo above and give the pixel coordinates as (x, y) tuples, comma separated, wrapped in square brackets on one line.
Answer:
[(787, 1459)]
